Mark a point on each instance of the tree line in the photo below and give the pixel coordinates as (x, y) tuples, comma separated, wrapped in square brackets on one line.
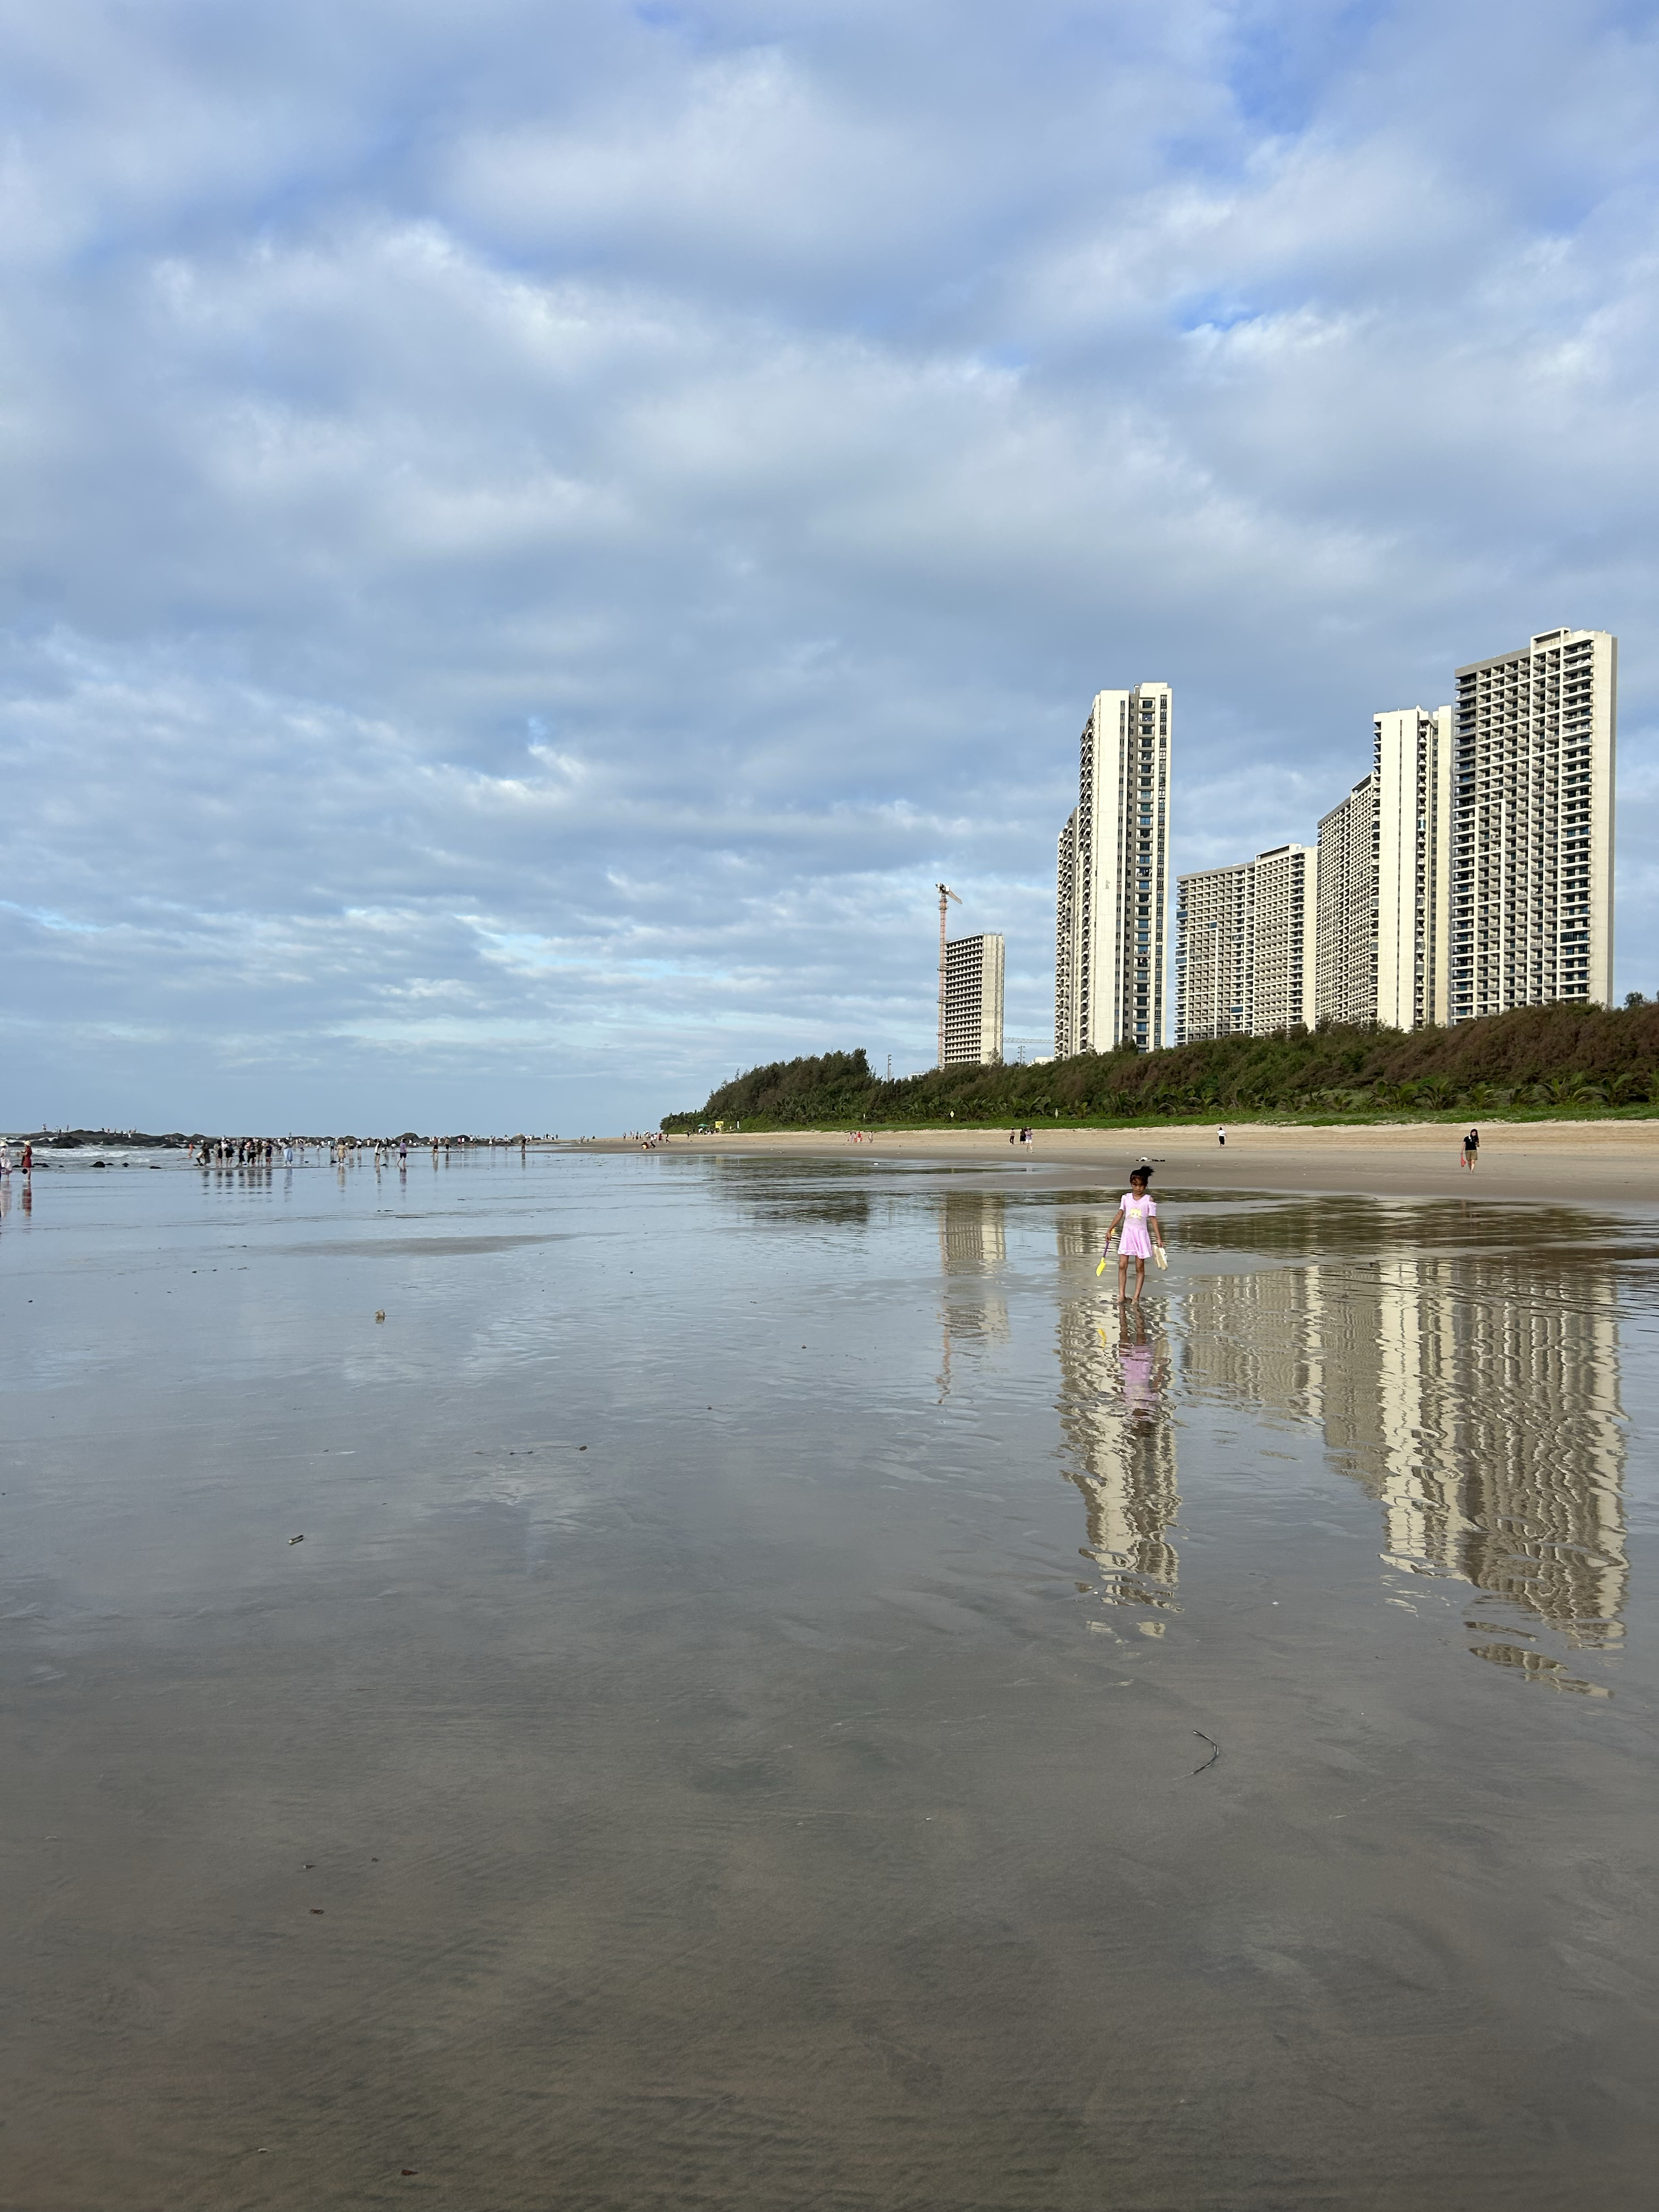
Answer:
[(1554, 1058)]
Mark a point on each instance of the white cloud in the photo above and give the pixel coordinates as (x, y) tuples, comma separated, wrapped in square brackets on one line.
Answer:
[(532, 541)]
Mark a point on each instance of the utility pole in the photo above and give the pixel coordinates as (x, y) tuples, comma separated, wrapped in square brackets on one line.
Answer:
[(946, 894)]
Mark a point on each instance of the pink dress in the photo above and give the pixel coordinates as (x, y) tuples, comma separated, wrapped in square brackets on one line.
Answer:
[(1136, 1243)]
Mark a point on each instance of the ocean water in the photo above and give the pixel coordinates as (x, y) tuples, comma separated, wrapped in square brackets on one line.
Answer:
[(786, 1698)]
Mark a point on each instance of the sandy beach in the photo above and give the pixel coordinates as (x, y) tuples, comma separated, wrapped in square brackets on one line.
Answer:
[(739, 1676), (1616, 1161)]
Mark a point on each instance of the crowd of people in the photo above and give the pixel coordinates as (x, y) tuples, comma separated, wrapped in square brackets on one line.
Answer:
[(336, 1151)]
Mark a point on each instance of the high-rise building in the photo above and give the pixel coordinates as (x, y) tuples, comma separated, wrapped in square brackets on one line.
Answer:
[(1531, 907), (1111, 943), (1215, 948), (1344, 989), (1245, 946), (973, 1001), (1383, 860), (1286, 915)]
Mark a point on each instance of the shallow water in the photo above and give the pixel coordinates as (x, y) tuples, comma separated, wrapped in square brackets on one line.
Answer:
[(783, 1699)]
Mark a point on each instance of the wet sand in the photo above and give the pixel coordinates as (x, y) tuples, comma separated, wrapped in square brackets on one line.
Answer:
[(1601, 1160), (785, 1699)]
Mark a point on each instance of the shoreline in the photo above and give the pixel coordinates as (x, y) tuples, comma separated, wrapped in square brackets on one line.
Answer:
[(1610, 1161), (1568, 1160)]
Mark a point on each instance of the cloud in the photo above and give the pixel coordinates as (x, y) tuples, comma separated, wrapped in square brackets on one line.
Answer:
[(532, 541)]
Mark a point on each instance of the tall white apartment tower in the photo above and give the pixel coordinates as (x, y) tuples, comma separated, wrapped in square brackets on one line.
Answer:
[(973, 1001), (1215, 952), (1532, 825), (1245, 946), (1412, 756), (1345, 987), (1384, 880), (1286, 909), (1111, 943)]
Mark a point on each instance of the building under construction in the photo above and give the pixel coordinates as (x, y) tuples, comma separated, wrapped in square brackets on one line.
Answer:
[(973, 1001)]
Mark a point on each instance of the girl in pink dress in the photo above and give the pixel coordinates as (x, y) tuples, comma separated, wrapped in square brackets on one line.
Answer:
[(1137, 1216)]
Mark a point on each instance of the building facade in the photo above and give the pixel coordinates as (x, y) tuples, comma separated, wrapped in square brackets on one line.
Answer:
[(1384, 868), (1215, 949), (1245, 946), (1532, 825), (1345, 982), (1112, 966), (973, 1001), (1287, 938)]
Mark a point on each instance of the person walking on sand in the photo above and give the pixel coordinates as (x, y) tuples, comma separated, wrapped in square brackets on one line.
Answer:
[(1471, 1150), (1221, 1135), (1137, 1216)]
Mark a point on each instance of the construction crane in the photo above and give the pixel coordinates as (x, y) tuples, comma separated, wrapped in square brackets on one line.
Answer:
[(946, 895)]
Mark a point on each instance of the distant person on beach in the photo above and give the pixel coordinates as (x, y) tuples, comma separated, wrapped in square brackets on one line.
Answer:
[(1471, 1150), (1221, 1136), (1137, 1216), (28, 1157)]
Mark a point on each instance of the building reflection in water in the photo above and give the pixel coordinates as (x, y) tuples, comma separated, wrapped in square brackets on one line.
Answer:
[(1120, 1440), (1474, 1395), (973, 1247)]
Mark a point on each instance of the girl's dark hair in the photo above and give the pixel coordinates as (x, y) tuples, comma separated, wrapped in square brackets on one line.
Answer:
[(1141, 1175)]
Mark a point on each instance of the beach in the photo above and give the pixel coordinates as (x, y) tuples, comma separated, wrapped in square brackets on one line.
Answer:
[(740, 1676), (1603, 1160)]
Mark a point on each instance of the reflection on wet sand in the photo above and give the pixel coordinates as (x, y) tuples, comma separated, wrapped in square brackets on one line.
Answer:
[(1120, 1446), (1474, 1394), (733, 1814), (973, 1248)]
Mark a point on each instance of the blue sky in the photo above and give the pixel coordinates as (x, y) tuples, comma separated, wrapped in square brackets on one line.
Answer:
[(533, 535)]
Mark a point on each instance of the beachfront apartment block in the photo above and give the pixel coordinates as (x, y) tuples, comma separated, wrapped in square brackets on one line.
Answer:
[(973, 1001), (1245, 946), (1111, 941), (1286, 937), (1532, 825), (1215, 952), (1382, 922)]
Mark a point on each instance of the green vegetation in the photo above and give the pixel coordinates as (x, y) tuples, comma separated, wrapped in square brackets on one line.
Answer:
[(1541, 1061)]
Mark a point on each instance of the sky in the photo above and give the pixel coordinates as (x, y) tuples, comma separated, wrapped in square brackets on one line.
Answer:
[(534, 535)]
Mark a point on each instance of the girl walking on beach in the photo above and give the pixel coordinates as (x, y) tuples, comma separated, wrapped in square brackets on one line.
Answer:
[(1471, 1150), (1137, 1216)]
